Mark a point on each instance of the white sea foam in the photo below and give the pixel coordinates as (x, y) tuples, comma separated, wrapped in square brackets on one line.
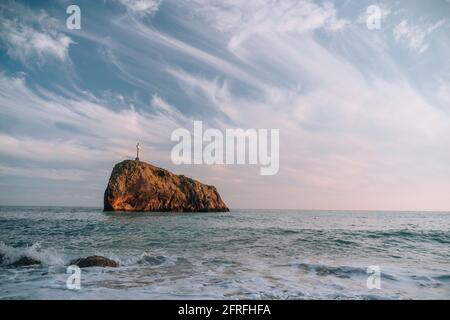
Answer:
[(47, 256)]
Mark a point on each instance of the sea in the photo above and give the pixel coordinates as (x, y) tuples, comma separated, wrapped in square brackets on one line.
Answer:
[(242, 254)]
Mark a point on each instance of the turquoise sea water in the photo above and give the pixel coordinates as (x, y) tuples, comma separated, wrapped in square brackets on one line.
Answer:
[(244, 254)]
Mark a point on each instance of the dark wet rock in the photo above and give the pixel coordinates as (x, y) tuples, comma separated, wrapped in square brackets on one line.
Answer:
[(25, 261), (138, 186), (94, 261)]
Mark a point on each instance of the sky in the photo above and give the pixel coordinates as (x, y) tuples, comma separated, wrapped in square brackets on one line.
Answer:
[(363, 113)]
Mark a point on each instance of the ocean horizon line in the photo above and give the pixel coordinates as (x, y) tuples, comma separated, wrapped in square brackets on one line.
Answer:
[(238, 209)]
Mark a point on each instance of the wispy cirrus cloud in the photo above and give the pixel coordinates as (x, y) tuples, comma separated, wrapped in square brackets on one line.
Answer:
[(415, 37), (141, 7), (80, 125), (244, 19), (32, 37)]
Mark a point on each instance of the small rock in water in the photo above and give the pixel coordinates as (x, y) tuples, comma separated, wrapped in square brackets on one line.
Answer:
[(94, 261), (25, 261)]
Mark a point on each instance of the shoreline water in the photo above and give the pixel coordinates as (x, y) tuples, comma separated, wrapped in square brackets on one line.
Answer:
[(248, 254)]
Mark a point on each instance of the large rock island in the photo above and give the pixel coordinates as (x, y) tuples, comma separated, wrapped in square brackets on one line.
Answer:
[(138, 186)]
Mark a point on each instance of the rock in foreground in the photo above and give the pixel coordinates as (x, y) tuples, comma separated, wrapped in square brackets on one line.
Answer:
[(25, 261), (138, 186), (94, 261), (22, 261)]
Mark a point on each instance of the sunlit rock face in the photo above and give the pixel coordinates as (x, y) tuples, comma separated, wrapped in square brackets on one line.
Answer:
[(138, 186)]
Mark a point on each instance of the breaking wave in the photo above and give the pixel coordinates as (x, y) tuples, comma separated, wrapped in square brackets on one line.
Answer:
[(46, 257)]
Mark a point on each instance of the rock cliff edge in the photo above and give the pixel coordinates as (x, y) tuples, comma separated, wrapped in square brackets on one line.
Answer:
[(138, 186)]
